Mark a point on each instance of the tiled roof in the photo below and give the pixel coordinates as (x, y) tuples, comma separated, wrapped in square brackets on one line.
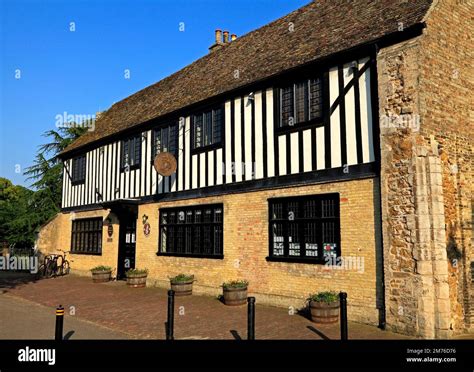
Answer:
[(317, 30)]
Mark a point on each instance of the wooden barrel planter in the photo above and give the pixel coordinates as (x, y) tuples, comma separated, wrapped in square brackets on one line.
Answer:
[(136, 280), (101, 276), (182, 288), (323, 312), (235, 295)]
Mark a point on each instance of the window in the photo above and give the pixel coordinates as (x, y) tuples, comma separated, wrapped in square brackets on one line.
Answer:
[(87, 236), (207, 128), (131, 152), (304, 228), (79, 170), (165, 139), (192, 231), (301, 102)]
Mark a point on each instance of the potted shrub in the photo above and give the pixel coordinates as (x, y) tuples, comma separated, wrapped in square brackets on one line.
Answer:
[(324, 307), (235, 292), (101, 274), (182, 284), (136, 278)]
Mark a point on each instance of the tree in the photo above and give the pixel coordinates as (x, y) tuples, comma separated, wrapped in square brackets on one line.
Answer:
[(47, 170), (16, 222)]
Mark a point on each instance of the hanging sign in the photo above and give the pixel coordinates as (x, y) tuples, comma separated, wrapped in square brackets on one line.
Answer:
[(146, 225)]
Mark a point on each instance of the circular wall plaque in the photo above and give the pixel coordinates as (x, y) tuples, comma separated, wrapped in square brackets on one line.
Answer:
[(165, 163)]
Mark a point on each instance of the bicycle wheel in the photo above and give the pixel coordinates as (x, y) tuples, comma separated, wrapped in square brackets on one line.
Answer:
[(65, 268), (41, 271), (48, 272), (59, 266)]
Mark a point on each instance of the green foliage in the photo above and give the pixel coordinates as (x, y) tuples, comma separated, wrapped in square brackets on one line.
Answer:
[(136, 272), (101, 268), (236, 284), (16, 227), (182, 278), (24, 211), (327, 297)]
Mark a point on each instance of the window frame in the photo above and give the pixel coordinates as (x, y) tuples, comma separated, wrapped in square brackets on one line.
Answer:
[(99, 230), (161, 127), (192, 208), (79, 181), (212, 145), (308, 122), (300, 222), (136, 138)]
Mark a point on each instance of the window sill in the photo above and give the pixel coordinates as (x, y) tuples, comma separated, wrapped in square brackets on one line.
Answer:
[(215, 257), (200, 150), (86, 253), (300, 126), (77, 183), (132, 167), (310, 261)]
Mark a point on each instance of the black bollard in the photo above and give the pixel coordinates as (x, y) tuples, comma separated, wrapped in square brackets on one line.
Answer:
[(343, 306), (251, 318), (59, 323), (170, 323)]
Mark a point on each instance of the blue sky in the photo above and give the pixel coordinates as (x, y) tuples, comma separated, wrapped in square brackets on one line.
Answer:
[(47, 69)]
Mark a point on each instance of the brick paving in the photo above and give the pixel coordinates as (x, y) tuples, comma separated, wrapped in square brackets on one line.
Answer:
[(141, 313)]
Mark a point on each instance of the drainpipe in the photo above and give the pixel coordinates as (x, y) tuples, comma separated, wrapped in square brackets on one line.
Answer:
[(375, 114)]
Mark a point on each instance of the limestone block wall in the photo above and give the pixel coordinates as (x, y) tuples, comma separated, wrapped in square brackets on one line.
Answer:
[(425, 107)]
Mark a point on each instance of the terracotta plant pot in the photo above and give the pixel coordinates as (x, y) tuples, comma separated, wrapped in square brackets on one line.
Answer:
[(137, 281), (101, 276), (324, 313), (182, 288), (235, 296)]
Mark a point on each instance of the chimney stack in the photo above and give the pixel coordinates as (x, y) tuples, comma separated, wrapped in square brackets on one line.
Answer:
[(220, 41), (218, 36)]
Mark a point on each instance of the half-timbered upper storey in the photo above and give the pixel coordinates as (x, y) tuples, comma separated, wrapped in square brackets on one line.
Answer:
[(285, 104)]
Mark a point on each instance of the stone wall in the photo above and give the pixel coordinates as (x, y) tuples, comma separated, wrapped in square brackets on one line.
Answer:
[(446, 109), (426, 174)]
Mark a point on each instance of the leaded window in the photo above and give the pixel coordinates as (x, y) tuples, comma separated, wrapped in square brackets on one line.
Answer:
[(165, 139), (78, 170), (301, 102), (131, 152), (86, 236), (305, 227), (207, 128), (192, 231)]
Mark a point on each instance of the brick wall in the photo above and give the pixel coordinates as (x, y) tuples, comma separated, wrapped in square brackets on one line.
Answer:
[(57, 235), (246, 247)]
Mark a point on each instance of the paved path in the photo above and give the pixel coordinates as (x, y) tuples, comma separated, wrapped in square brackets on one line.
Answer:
[(22, 319), (142, 312)]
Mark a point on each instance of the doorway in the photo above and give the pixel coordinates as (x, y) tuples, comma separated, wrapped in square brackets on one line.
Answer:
[(127, 244)]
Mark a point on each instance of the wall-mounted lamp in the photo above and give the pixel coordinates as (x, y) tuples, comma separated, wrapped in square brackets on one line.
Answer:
[(352, 68)]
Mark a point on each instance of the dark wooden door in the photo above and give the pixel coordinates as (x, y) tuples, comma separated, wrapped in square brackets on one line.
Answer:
[(127, 245)]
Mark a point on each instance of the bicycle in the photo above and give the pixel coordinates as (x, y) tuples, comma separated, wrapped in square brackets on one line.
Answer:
[(52, 268)]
